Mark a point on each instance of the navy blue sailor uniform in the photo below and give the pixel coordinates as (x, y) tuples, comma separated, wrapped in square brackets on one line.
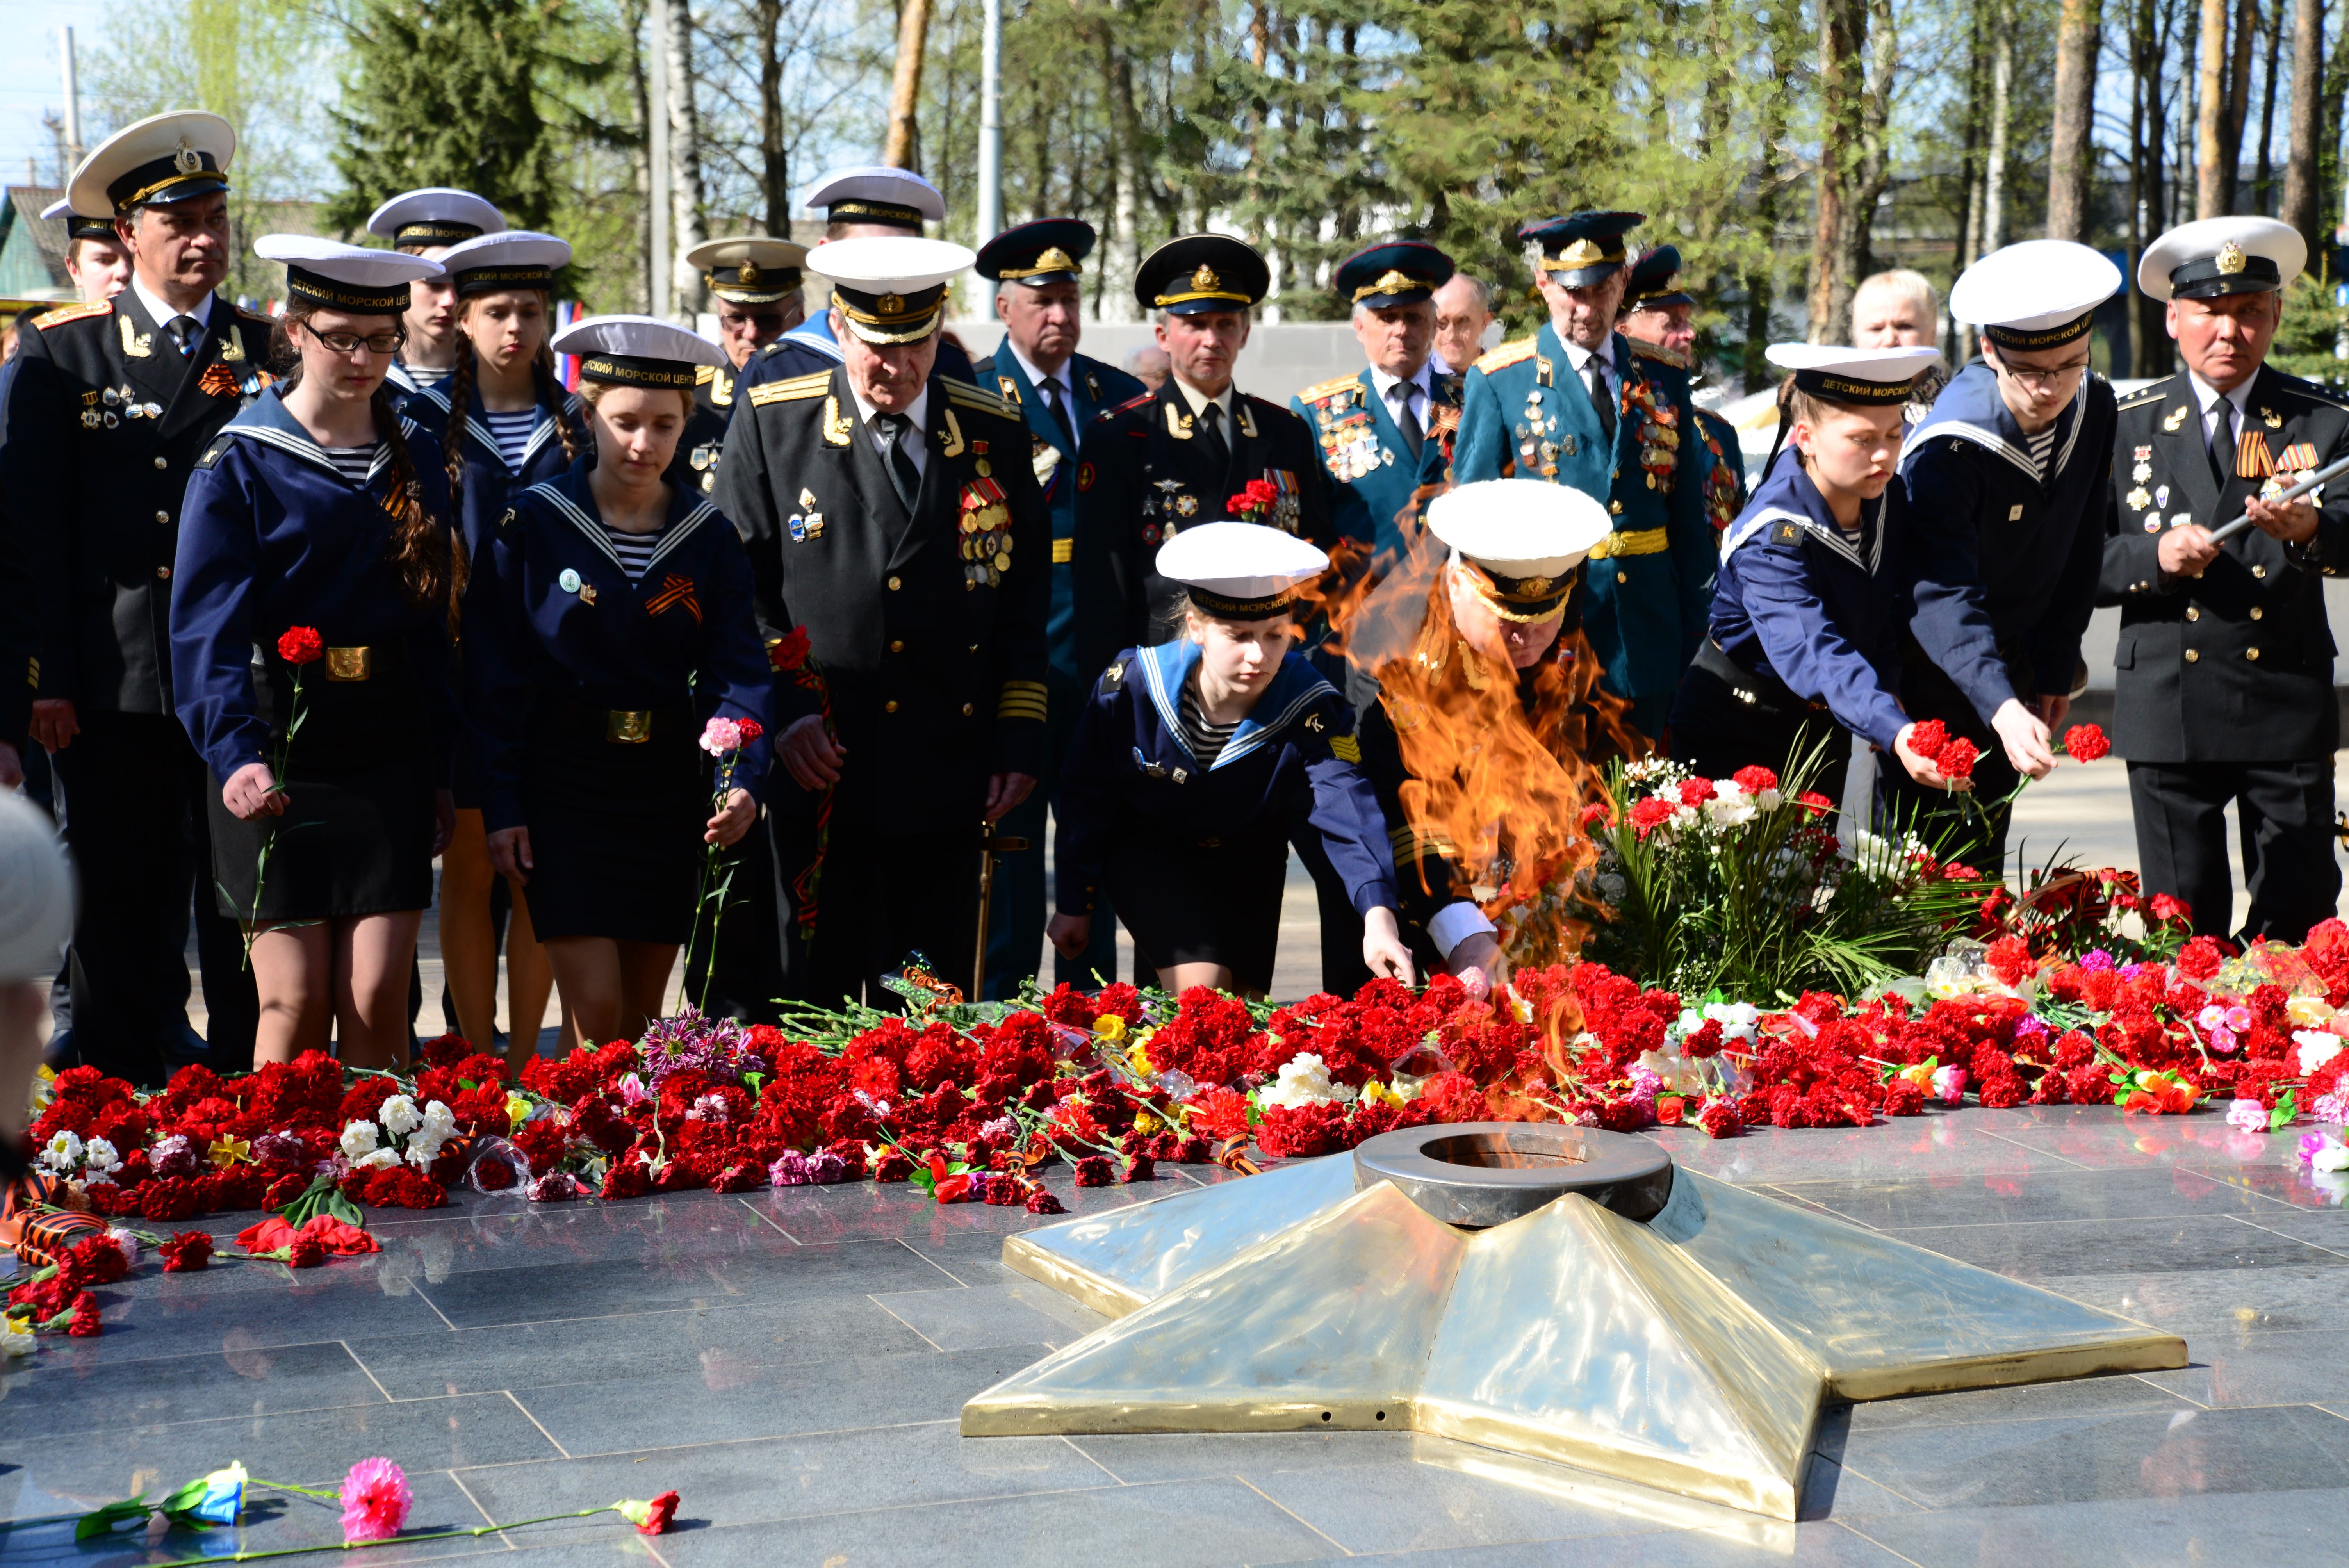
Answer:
[(1525, 413), (1804, 644), (488, 486), (587, 689), (928, 628), (1195, 857), (275, 537), (1015, 914), (103, 422), (2003, 561), (2223, 683)]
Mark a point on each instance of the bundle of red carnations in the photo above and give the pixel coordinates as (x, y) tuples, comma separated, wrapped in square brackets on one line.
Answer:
[(972, 1103)]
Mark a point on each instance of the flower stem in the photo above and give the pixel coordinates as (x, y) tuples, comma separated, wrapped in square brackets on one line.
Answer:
[(477, 1531)]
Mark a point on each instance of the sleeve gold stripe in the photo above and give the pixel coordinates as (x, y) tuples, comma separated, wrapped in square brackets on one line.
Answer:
[(1346, 748), (1063, 552)]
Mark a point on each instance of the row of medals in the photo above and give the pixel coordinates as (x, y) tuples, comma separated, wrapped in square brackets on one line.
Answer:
[(1349, 446), (1537, 425), (127, 401), (986, 543)]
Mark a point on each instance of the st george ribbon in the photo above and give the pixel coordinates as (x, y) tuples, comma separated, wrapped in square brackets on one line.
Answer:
[(1555, 1291)]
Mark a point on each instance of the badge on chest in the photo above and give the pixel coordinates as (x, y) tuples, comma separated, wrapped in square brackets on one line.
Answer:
[(806, 524), (985, 526)]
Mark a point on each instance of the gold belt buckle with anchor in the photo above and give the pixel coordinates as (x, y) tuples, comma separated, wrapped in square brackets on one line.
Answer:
[(628, 728), (350, 663)]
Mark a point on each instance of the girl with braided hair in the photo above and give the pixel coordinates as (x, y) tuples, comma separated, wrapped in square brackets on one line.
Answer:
[(312, 599)]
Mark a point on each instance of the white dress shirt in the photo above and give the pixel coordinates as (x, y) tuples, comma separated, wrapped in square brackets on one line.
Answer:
[(164, 314), (1037, 378), (2208, 395), (916, 421), (1581, 357), (1416, 397), (1198, 401)]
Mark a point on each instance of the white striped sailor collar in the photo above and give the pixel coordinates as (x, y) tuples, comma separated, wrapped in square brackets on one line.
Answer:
[(815, 333), (477, 421), (1970, 408), (1295, 689), (1789, 496), (266, 420), (571, 497)]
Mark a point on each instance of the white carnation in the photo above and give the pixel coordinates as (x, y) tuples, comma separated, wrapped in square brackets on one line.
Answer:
[(1305, 1080), (101, 1160), (2316, 1048), (381, 1160), (358, 1140), (400, 1116)]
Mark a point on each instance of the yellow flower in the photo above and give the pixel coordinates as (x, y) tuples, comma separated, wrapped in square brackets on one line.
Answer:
[(1380, 1094), (2308, 1011), (1145, 1123), (1110, 1026), (227, 1150), (517, 1110)]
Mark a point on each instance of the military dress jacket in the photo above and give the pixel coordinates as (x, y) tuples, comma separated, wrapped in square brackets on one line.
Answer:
[(1525, 413), (1373, 473), (715, 389), (275, 537), (1144, 475), (2003, 562), (1725, 490), (551, 618), (928, 630), (103, 423), (1291, 763), (490, 486), (2235, 666)]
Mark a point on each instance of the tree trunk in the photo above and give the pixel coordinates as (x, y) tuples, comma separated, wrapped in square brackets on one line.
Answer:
[(1760, 280), (2210, 190), (774, 156), (2303, 166), (648, 271), (2238, 99), (902, 149), (1830, 296), (2263, 183), (2079, 41), (1955, 345), (2002, 117), (685, 193), (1874, 170)]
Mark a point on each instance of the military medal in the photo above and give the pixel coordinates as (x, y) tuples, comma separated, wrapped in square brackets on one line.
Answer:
[(568, 581), (2143, 453), (2142, 472), (2138, 499)]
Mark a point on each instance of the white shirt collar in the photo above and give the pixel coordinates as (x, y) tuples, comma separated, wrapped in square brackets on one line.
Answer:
[(1385, 384), (2208, 395), (1579, 356), (1037, 378), (1198, 400), (917, 416), (163, 314)]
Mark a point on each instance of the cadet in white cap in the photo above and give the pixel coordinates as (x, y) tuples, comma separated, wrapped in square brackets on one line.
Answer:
[(1482, 671), (2007, 481), (310, 613), (1804, 646), (95, 259), (107, 405), (608, 614), (893, 516), (2223, 691), (426, 223), (1196, 759)]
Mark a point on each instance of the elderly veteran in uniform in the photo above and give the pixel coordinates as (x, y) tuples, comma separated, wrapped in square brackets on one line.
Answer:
[(1177, 456), (426, 223), (894, 524), (1498, 681), (2007, 480), (871, 200), (756, 282), (1803, 651), (1037, 268), (1659, 312), (108, 406), (2223, 676), (1580, 404), (1198, 759)]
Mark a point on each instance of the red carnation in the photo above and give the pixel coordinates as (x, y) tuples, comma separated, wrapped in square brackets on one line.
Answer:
[(1720, 1120), (1816, 804), (1094, 1170), (664, 1508), (304, 1252), (2087, 742), (85, 1323), (2168, 910), (790, 651), (1755, 779), (186, 1252), (1696, 791), (1652, 814), (1927, 739), (1041, 1202), (301, 645), (751, 730), (1956, 758)]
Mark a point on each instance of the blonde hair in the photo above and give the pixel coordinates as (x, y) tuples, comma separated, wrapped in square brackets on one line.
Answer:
[(1901, 283), (593, 392)]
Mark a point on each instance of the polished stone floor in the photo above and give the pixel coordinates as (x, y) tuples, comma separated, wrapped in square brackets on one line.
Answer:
[(793, 1362)]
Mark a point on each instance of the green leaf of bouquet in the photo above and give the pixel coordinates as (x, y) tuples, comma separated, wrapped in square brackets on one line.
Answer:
[(105, 1521)]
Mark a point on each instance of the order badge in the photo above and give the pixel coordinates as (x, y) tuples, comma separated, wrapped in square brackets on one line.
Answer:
[(569, 581)]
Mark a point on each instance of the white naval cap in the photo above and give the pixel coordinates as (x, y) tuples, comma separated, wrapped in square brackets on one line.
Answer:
[(2213, 256), (1526, 535), (324, 271), (164, 157), (890, 288), (2040, 294), (750, 269), (878, 193), (36, 891), (1240, 571), (510, 259), (435, 216), (80, 225), (637, 351), (1866, 377)]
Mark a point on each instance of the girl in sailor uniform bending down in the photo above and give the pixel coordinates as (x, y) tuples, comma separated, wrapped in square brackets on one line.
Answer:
[(1805, 644), (1192, 761), (315, 547), (608, 618), (504, 424)]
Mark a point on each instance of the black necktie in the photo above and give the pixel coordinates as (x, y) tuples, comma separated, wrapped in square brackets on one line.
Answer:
[(2222, 443), (904, 477), (1212, 418), (185, 329), (1601, 400), (1059, 412), (1414, 435)]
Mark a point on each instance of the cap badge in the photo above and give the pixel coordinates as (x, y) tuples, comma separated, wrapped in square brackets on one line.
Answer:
[(1392, 282), (1533, 587), (2230, 259), (187, 159), (748, 273), (1582, 253), (889, 304), (1205, 279), (1055, 259)]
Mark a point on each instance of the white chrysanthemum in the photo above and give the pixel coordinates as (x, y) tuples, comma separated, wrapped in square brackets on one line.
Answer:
[(2331, 1157), (1612, 887), (358, 1140), (400, 1116), (63, 1151), (100, 1159), (1305, 1080)]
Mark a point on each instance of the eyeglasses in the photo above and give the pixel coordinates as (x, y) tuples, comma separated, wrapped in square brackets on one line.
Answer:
[(351, 342), (2054, 378)]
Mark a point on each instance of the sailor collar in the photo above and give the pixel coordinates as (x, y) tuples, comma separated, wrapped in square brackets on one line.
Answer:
[(571, 497), (266, 420), (1294, 691), (1970, 408), (1789, 504)]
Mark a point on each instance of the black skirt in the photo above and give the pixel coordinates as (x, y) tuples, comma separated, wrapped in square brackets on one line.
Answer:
[(614, 827), (1187, 902), (1715, 732), (356, 835)]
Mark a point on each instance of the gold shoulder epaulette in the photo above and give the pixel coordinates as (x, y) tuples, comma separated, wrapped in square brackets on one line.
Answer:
[(2140, 398), (251, 315), (978, 398), (812, 385), (1509, 354), (1322, 390), (1659, 353), (66, 313), (703, 374)]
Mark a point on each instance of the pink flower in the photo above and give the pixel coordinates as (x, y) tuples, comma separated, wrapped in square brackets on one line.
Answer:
[(721, 736), (1949, 1085), (376, 1501), (2248, 1116)]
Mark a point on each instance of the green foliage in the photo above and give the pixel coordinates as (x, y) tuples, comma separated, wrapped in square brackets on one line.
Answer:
[(2307, 343)]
